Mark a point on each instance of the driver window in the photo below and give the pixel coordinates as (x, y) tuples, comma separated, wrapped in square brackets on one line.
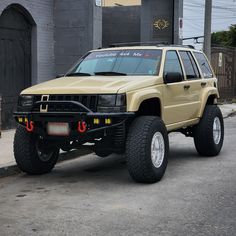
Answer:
[(172, 63)]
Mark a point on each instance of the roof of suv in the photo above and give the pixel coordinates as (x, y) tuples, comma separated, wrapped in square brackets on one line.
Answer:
[(175, 47)]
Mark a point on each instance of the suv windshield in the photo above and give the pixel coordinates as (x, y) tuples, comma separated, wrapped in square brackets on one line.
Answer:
[(119, 62)]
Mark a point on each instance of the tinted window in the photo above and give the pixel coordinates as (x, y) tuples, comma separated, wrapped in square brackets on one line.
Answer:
[(130, 62), (172, 64), (189, 65), (204, 65)]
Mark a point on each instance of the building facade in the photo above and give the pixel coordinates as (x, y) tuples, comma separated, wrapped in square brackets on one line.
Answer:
[(40, 39), (152, 21)]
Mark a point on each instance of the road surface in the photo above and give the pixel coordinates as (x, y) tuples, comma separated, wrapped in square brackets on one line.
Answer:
[(93, 196)]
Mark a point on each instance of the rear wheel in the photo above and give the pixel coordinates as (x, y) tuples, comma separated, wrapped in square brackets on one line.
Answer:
[(209, 133), (147, 149), (31, 154)]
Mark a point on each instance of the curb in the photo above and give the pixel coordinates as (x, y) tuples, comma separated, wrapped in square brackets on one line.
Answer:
[(232, 113), (6, 171)]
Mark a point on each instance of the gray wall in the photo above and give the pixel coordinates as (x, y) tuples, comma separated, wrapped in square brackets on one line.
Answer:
[(178, 4), (63, 30), (136, 23), (152, 11), (78, 28), (121, 24), (43, 62)]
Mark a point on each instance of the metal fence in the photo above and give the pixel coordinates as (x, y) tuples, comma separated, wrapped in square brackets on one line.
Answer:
[(223, 61)]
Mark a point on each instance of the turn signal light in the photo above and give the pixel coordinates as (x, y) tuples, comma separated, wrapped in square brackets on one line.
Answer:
[(108, 121), (96, 121)]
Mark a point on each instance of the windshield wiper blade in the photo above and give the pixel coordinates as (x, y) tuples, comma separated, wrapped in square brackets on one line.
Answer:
[(78, 74), (109, 73)]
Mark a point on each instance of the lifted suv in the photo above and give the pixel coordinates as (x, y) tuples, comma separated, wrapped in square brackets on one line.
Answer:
[(122, 100)]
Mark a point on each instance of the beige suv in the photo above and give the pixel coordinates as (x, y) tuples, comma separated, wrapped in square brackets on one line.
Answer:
[(122, 100)]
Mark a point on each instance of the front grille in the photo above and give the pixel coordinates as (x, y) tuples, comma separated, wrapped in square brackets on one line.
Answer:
[(90, 101)]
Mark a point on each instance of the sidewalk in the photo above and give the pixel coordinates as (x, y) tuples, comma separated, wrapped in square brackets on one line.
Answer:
[(7, 162)]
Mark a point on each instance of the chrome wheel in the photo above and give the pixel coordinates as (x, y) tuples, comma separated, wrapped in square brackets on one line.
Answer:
[(216, 130), (157, 149)]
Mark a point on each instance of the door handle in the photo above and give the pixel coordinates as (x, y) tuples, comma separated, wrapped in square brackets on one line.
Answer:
[(186, 86), (203, 84)]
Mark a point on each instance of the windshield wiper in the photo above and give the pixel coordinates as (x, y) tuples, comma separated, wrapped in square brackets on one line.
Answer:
[(109, 73), (78, 74)]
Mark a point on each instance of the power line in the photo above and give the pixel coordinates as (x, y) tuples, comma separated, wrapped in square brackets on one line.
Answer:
[(231, 9)]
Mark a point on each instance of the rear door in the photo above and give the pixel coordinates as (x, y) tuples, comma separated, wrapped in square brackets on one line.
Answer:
[(194, 82)]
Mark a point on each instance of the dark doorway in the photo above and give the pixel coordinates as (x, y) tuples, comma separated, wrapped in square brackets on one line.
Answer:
[(15, 60)]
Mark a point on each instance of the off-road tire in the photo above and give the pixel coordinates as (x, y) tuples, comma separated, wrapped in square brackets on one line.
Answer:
[(26, 154), (138, 149), (203, 132)]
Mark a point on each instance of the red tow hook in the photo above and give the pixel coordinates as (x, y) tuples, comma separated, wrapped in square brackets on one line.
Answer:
[(82, 127), (30, 126)]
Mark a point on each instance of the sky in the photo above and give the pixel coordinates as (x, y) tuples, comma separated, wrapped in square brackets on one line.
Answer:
[(223, 15)]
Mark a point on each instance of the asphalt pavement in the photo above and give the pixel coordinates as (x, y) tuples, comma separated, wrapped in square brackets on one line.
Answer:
[(94, 196)]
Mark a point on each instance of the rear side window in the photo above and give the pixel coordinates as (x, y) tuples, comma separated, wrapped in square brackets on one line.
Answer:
[(172, 63), (204, 65), (190, 66)]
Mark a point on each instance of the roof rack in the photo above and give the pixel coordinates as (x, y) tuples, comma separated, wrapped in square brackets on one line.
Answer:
[(138, 44), (151, 43), (183, 46)]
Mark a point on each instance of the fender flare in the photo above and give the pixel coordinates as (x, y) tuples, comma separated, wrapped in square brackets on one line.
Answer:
[(204, 98), (138, 97)]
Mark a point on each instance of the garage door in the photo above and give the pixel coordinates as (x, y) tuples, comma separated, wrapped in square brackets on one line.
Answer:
[(15, 61)]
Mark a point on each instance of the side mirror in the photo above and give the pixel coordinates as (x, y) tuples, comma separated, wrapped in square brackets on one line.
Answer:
[(172, 77)]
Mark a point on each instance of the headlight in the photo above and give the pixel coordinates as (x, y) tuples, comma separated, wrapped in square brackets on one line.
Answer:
[(112, 103), (25, 101), (107, 100)]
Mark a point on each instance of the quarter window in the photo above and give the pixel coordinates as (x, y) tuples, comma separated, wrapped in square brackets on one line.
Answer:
[(190, 66), (172, 63), (204, 65)]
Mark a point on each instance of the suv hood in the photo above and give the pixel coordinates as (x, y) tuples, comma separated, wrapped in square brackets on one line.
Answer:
[(93, 85)]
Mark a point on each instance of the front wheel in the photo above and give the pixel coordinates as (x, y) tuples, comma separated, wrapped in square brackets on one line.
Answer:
[(209, 133), (31, 154), (147, 149)]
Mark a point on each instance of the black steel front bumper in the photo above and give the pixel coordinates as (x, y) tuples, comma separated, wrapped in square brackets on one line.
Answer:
[(40, 119)]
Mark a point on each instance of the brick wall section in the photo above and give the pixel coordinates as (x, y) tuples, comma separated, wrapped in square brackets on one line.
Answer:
[(43, 65), (78, 28), (65, 30)]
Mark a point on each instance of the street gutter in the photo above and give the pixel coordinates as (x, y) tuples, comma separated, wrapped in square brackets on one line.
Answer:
[(231, 114), (13, 169)]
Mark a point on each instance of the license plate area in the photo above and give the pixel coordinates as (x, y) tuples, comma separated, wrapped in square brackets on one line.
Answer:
[(58, 129)]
